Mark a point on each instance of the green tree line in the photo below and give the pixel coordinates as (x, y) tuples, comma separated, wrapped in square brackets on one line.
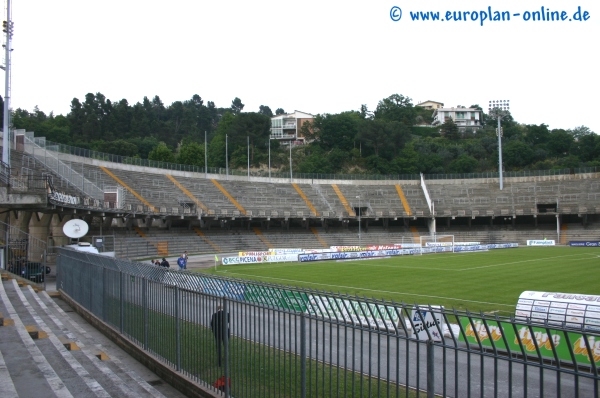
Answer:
[(395, 138)]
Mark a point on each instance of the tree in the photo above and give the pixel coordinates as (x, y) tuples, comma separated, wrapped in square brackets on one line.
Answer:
[(161, 153), (464, 164), (559, 142), (408, 161), (251, 126), (373, 135), (192, 154), (334, 131), (581, 131), (397, 108), (449, 129), (236, 106), (537, 135), (265, 110), (279, 111), (517, 154), (587, 147), (118, 147)]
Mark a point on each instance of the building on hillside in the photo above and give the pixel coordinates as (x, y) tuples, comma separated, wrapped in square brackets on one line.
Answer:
[(286, 128), (464, 117), (431, 105)]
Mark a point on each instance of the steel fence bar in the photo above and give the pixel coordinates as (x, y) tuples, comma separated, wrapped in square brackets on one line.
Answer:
[(296, 342), (494, 349)]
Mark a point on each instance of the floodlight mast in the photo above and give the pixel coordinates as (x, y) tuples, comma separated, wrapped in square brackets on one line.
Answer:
[(7, 27), (499, 109)]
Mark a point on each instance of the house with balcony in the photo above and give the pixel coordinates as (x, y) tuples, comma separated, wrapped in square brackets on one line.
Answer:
[(465, 118), (286, 127), (431, 105)]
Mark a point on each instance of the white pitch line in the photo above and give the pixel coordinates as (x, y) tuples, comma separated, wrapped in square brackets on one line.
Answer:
[(520, 262), (374, 290)]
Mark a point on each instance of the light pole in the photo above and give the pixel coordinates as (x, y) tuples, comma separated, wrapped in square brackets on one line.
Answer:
[(359, 229), (291, 180), (499, 109), (8, 29)]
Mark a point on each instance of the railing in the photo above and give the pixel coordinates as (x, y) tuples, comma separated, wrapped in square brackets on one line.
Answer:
[(38, 148), (22, 254), (271, 340), (67, 149), (4, 173)]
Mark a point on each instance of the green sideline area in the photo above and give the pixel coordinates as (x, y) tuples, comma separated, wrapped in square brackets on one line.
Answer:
[(485, 281)]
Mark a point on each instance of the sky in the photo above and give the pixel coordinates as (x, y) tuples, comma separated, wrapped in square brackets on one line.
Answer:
[(314, 56)]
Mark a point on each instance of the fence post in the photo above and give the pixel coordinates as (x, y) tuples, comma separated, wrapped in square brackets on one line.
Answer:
[(121, 302), (225, 332), (430, 370), (177, 328), (145, 307), (303, 355)]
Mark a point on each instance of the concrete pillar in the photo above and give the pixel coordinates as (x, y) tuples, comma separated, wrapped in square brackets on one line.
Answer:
[(39, 225), (39, 228), (107, 222), (431, 225), (20, 219)]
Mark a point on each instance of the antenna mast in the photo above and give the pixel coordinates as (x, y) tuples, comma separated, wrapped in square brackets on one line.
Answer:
[(7, 28)]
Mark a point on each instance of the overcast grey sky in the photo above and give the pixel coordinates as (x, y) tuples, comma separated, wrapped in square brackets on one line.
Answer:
[(314, 56)]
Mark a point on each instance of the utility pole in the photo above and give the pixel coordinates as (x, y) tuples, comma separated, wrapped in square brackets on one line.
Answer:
[(499, 109), (7, 28)]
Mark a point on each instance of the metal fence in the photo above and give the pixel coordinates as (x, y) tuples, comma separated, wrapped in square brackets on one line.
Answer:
[(263, 340), (22, 254), (71, 150)]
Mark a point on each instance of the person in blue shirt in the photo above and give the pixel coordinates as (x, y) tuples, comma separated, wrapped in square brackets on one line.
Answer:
[(181, 262)]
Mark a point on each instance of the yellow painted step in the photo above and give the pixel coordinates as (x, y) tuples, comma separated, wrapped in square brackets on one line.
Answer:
[(6, 321), (69, 345), (35, 333)]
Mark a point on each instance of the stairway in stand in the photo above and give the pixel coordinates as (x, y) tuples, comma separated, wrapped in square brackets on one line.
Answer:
[(46, 349)]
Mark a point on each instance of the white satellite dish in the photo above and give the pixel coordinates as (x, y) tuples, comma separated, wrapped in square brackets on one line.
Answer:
[(75, 228)]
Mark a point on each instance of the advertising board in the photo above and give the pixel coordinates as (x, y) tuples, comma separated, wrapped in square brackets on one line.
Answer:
[(427, 322), (355, 312), (544, 242), (585, 243), (569, 309), (527, 338)]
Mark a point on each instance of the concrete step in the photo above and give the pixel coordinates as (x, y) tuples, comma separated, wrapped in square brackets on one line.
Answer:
[(67, 359)]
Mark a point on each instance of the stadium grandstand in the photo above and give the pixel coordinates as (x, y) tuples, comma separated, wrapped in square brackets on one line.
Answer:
[(146, 210), (312, 341)]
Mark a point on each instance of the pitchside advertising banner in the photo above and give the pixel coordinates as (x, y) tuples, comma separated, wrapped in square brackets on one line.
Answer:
[(427, 323), (569, 309), (552, 308), (527, 337), (350, 255), (545, 242), (259, 259), (355, 312), (585, 243)]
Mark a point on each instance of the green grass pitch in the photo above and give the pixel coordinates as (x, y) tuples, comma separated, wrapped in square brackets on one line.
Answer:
[(484, 281)]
